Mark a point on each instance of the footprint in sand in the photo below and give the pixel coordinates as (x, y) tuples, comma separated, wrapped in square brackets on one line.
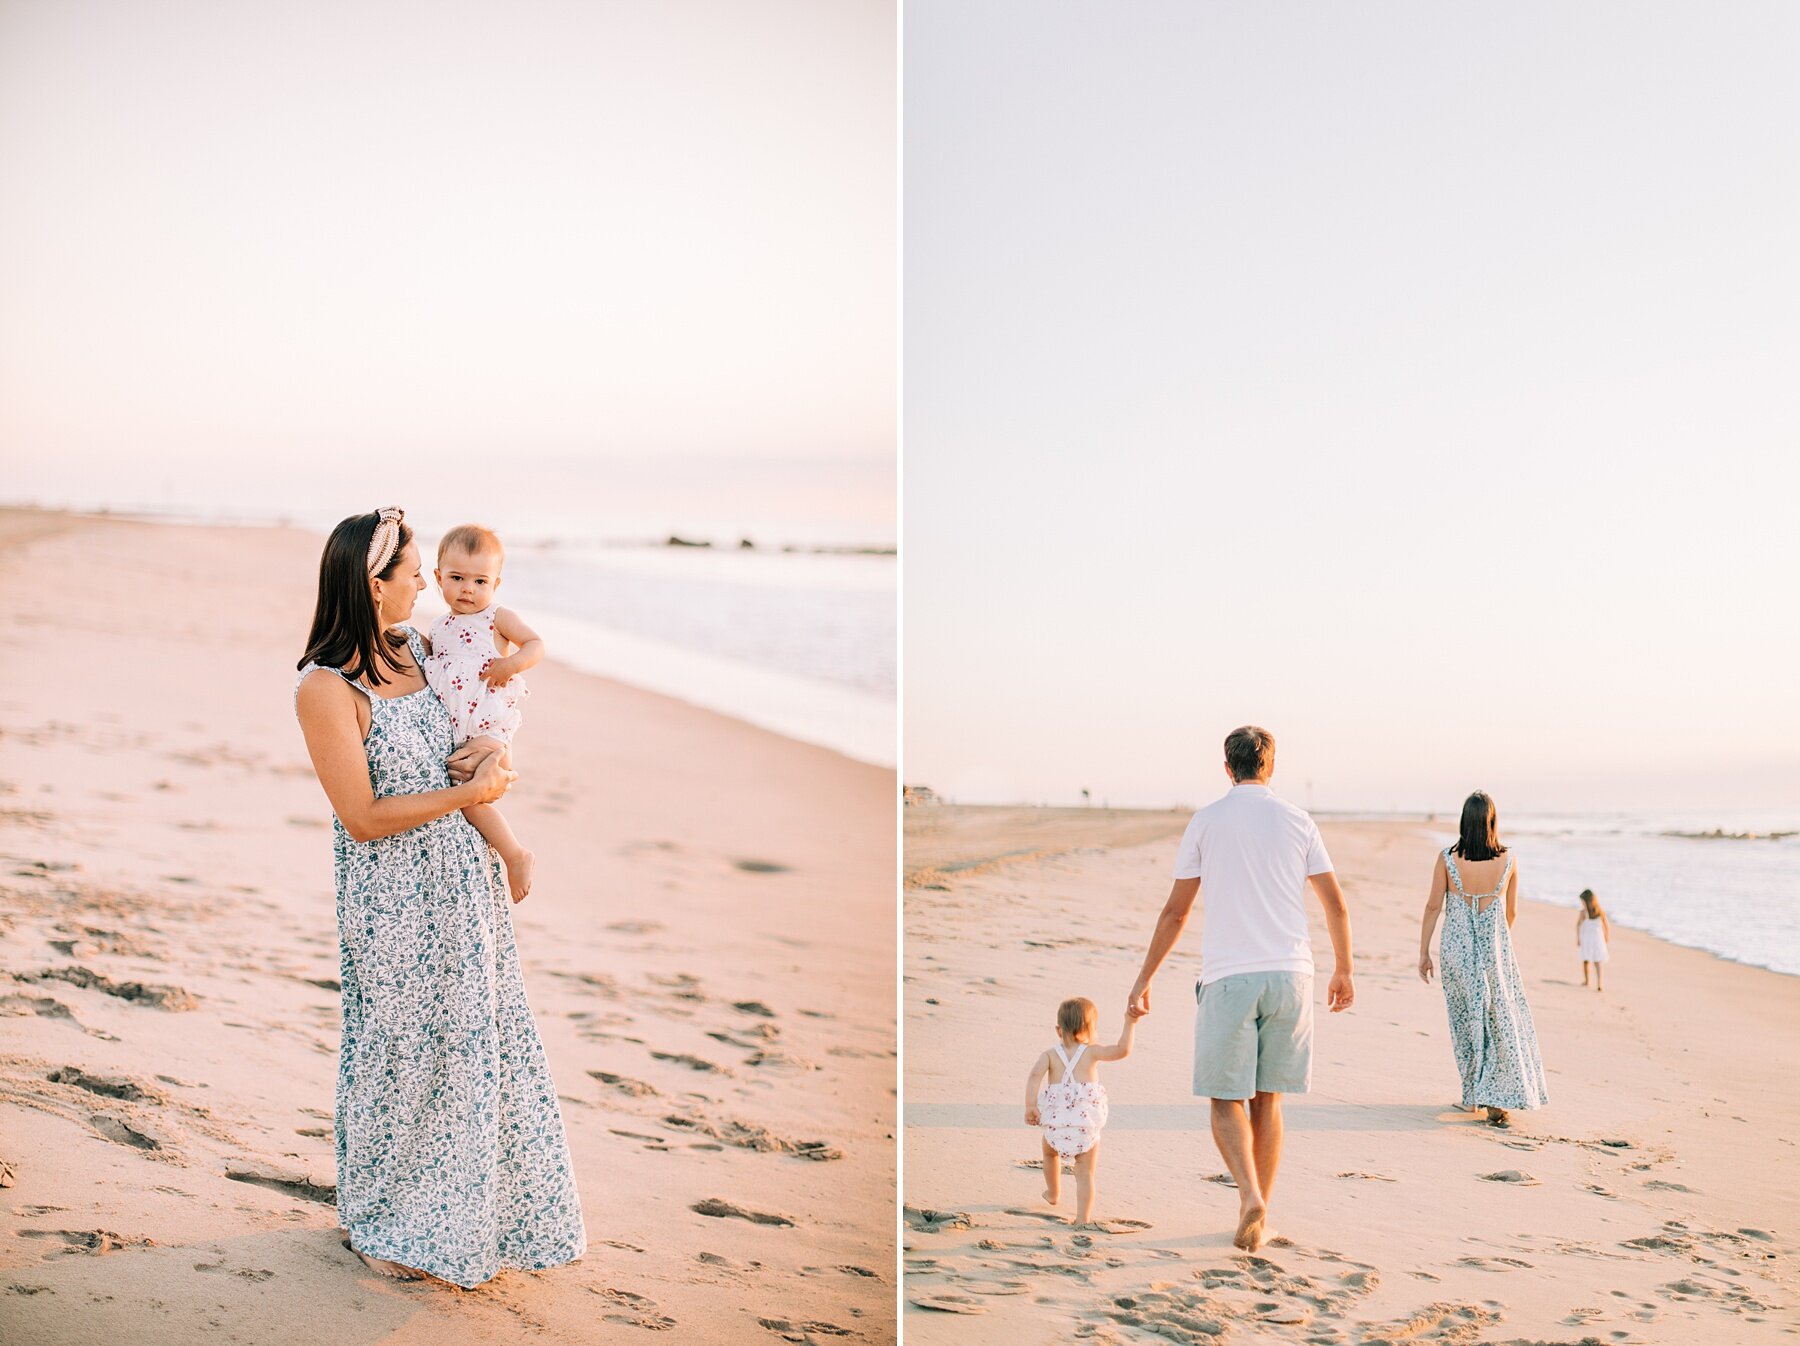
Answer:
[(108, 1086), (282, 1178), (625, 1084), (936, 1221), (948, 1304), (96, 1242), (749, 1136), (1369, 1177), (1512, 1175), (1446, 1324), (632, 1310), (691, 1062), (1492, 1263), (790, 1331), (725, 1210), (123, 1131)]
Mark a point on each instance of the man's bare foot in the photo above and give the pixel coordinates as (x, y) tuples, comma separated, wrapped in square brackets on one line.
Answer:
[(392, 1270), (1249, 1235), (518, 875)]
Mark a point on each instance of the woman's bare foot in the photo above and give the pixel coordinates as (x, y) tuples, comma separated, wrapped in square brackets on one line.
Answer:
[(1249, 1235), (1498, 1117), (518, 875), (392, 1270)]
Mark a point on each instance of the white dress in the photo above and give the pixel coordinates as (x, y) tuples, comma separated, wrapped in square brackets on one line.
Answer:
[(1593, 940), (462, 644), (1070, 1111)]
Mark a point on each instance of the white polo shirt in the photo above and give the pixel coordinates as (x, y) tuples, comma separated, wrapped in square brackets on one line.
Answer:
[(1252, 852)]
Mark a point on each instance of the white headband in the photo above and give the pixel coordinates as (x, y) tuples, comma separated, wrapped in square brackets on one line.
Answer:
[(387, 537)]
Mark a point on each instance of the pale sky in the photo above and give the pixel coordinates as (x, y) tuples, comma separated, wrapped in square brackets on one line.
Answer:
[(286, 234), (1417, 381)]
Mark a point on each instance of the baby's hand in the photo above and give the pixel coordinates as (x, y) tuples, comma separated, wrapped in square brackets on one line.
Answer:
[(1031, 1116), (498, 672)]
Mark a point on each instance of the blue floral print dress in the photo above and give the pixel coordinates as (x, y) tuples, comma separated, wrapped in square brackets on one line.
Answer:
[(451, 1155), (1490, 1023)]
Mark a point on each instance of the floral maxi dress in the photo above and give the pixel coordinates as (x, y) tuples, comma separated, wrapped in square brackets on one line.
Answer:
[(1490, 1022), (451, 1155)]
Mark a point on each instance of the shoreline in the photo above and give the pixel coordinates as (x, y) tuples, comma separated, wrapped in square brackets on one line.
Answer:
[(708, 952), (678, 673), (1655, 1199), (1115, 827)]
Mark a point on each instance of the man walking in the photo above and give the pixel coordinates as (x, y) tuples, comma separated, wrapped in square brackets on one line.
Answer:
[(1254, 855)]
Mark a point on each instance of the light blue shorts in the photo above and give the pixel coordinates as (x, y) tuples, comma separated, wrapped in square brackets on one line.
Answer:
[(1253, 1035)]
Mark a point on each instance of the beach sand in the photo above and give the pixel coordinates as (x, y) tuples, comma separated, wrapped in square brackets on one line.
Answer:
[(708, 949), (1655, 1199)]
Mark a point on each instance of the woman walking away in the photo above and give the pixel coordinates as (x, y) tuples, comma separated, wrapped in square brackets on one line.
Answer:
[(1592, 934), (1490, 1022)]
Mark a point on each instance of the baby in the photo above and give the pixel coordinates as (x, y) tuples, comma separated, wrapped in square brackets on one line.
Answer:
[(477, 650), (1072, 1108)]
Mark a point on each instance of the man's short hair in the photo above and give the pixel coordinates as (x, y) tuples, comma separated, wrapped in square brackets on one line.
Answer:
[(470, 539), (1249, 752)]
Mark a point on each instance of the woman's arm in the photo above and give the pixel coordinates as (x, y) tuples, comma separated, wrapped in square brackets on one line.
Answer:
[(1605, 928), (1434, 903), (1039, 1068), (1512, 895), (1119, 1050), (529, 651), (328, 720)]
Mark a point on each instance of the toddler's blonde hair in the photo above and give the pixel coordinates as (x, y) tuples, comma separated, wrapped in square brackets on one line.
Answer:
[(1077, 1016), (471, 539)]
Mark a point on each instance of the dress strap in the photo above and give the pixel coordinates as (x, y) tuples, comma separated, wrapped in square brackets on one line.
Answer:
[(314, 668), (1069, 1061), (1450, 864)]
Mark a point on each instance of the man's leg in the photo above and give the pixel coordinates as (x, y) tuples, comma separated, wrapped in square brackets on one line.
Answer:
[(1232, 1133), (1266, 1133)]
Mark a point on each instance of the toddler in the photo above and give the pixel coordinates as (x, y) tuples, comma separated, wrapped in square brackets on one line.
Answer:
[(476, 652), (1071, 1108), (1591, 935)]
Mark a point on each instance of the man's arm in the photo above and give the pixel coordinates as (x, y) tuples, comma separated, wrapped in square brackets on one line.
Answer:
[(1342, 992), (1168, 930)]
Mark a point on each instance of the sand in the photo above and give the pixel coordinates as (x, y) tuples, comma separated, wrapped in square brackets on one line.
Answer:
[(709, 951), (1656, 1199)]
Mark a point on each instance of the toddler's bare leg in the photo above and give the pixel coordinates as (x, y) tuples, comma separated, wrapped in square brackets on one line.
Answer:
[(488, 820), (1086, 1189), (1052, 1174), (1584, 970), (1598, 986)]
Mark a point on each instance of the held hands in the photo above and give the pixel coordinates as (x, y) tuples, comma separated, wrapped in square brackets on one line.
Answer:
[(1341, 994), (1139, 1005), (1425, 968)]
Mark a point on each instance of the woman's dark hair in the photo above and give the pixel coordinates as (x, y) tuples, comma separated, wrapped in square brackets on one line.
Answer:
[(1591, 905), (346, 629), (1480, 839)]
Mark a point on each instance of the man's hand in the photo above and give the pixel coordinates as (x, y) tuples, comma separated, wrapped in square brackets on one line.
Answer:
[(1425, 968), (1341, 994), (1138, 1006), (1031, 1116), (498, 672)]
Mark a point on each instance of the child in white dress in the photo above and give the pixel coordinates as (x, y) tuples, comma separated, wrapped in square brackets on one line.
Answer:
[(1592, 931), (1071, 1106), (477, 651)]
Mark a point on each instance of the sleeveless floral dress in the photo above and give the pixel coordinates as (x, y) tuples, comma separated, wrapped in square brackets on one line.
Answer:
[(451, 1155), (1490, 1022)]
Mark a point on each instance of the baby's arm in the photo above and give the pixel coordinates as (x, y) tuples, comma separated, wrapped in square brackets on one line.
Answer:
[(1033, 1082), (1119, 1050), (528, 651)]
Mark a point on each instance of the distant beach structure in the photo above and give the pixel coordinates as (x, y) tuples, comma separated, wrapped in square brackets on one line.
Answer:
[(919, 794)]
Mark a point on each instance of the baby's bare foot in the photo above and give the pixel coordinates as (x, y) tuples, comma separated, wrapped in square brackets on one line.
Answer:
[(1052, 1196), (518, 875)]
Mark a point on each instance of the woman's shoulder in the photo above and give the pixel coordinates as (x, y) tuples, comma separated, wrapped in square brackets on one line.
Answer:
[(313, 692)]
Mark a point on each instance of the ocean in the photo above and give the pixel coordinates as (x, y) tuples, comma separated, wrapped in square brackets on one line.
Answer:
[(1728, 885), (782, 612)]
